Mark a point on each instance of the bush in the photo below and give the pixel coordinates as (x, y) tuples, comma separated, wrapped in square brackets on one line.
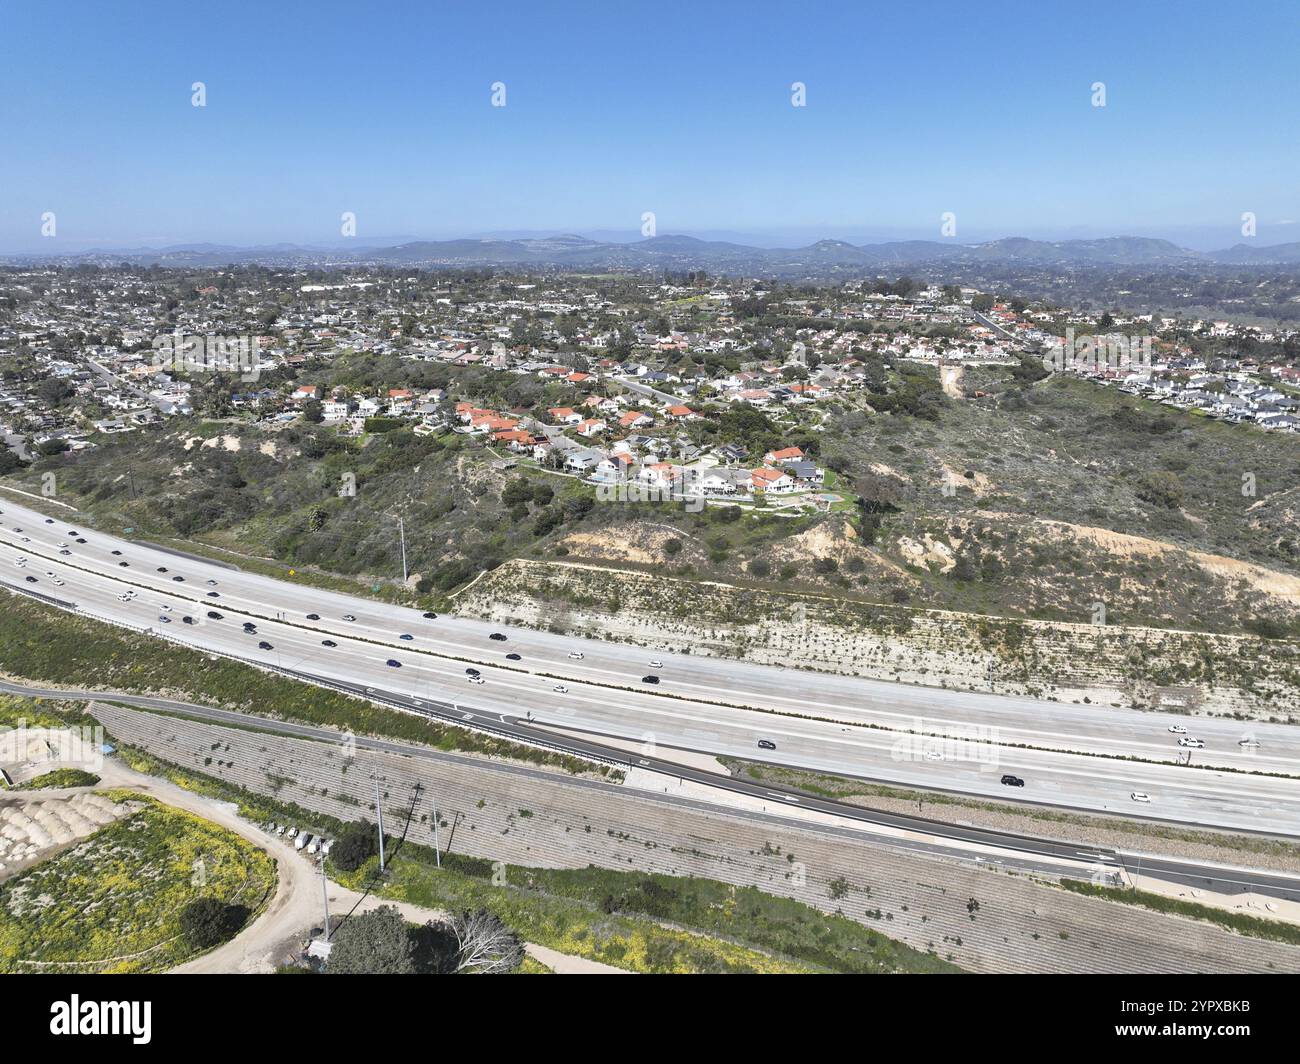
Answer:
[(207, 922), (760, 568), (355, 846)]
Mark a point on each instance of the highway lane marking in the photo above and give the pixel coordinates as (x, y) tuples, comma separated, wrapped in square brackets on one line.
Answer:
[(387, 642)]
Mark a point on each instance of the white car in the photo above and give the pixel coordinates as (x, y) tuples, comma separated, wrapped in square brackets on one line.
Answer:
[(1187, 740), (20, 562), (933, 755), (164, 607), (1138, 796), (1178, 729), (476, 679), (57, 581), (656, 664), (576, 655), (560, 689), (61, 545)]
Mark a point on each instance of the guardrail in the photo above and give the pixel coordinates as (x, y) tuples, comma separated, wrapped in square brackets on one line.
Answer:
[(451, 713)]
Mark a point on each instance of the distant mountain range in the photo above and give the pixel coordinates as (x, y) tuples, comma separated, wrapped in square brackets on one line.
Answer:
[(685, 252)]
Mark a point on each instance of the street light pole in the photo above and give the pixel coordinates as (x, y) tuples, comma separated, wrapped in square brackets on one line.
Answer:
[(401, 528), (379, 817)]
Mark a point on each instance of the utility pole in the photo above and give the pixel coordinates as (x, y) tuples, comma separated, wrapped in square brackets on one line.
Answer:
[(437, 840), (325, 895), (401, 528), (379, 817)]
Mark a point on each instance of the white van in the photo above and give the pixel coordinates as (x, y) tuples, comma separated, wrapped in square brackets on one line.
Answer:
[(303, 839)]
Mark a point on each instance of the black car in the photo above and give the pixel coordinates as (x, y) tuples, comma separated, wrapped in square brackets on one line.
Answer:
[(65, 552), (249, 626), (328, 643), (81, 541), (766, 744), (394, 663), (162, 568), (124, 565), (348, 617), (498, 636), (31, 579), (179, 579), (264, 645), (49, 520), (71, 533), (430, 615), (649, 679), (188, 620), (513, 657), (471, 672), (214, 594), (117, 552), (1013, 781), (313, 616), (214, 615)]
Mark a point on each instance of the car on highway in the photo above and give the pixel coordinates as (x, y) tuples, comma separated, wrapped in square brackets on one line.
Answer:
[(62, 544), (212, 583), (1139, 796), (934, 755), (249, 626), (1012, 781), (1187, 740), (30, 579), (65, 553), (58, 581), (560, 689), (405, 636), (328, 643), (161, 569), (20, 562), (264, 645), (348, 617), (766, 744), (1250, 742), (575, 655), (124, 565), (164, 619), (498, 637), (49, 520), (73, 534), (476, 679), (471, 672), (81, 541), (514, 657), (313, 616), (117, 552), (656, 664), (179, 579), (649, 679), (27, 539), (394, 663), (214, 615), (17, 529), (429, 615), (1178, 729), (188, 620), (214, 594), (164, 607)]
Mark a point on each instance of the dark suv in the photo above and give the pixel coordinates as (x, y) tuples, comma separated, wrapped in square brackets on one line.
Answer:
[(1013, 781)]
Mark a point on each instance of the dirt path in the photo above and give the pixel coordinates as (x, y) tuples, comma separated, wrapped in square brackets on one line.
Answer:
[(297, 905)]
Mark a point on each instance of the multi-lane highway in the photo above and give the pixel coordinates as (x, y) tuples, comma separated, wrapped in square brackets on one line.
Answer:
[(1076, 756)]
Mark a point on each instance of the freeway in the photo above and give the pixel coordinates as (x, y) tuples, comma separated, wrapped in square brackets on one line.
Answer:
[(823, 722), (913, 833)]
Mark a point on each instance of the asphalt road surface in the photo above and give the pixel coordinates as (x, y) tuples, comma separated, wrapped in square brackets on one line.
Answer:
[(1071, 756)]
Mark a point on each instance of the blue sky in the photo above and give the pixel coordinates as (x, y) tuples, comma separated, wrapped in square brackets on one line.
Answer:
[(616, 108)]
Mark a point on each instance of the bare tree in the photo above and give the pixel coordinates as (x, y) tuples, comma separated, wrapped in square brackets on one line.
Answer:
[(484, 944)]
